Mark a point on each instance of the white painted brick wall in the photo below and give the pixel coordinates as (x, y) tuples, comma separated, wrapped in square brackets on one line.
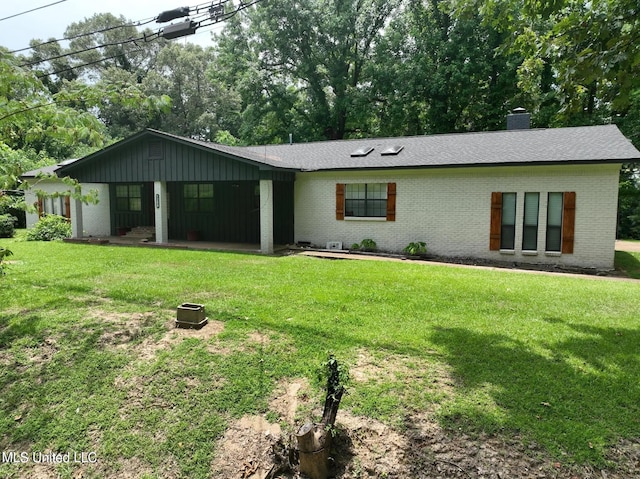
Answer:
[(450, 210), (96, 219)]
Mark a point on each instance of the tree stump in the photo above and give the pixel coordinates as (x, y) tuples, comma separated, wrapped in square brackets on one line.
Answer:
[(314, 440), (314, 445)]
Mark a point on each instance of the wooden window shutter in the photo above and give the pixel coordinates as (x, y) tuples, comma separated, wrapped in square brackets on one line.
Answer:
[(67, 207), (40, 207), (568, 221), (339, 201), (496, 221), (391, 201)]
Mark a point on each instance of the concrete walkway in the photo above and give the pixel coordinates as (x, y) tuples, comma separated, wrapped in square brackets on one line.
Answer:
[(630, 246)]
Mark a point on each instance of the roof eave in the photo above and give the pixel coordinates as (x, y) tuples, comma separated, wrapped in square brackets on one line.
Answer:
[(472, 165)]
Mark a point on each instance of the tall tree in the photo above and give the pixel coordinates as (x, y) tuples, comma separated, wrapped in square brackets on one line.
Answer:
[(105, 41), (584, 54), (200, 105), (313, 58), (439, 73)]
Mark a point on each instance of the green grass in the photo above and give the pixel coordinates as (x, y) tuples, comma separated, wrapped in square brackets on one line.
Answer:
[(629, 263), (553, 359)]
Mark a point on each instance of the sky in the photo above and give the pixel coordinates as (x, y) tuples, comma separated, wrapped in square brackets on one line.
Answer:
[(52, 21)]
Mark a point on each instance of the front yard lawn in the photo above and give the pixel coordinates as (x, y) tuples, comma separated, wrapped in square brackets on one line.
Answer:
[(89, 361)]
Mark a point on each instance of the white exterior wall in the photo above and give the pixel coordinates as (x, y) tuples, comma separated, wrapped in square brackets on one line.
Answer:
[(450, 210), (96, 219)]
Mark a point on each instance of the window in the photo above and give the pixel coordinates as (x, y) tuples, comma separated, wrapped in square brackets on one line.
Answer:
[(508, 223), (530, 222), (366, 200), (198, 198), (554, 222), (55, 205), (560, 225), (129, 197)]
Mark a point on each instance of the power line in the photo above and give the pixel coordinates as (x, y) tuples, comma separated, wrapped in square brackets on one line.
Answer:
[(32, 10), (190, 26), (215, 20), (113, 44), (139, 23), (218, 17), (43, 75), (144, 37)]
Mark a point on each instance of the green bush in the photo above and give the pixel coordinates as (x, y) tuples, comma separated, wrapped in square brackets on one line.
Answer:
[(4, 253), (416, 248), (368, 244), (7, 224), (49, 228)]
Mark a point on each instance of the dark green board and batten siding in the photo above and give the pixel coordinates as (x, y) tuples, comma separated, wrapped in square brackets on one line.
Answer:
[(140, 161)]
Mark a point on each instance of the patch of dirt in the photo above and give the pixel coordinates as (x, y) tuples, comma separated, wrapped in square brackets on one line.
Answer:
[(149, 347), (123, 327), (136, 387), (253, 448), (259, 338)]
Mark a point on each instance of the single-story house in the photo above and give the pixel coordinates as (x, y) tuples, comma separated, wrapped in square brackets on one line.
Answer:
[(546, 196)]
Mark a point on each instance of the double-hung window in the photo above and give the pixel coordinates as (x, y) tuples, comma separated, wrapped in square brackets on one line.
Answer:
[(376, 201), (366, 200)]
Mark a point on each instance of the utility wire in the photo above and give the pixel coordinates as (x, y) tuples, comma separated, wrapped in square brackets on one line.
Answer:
[(146, 38), (156, 35), (139, 23), (32, 10), (43, 75), (113, 44)]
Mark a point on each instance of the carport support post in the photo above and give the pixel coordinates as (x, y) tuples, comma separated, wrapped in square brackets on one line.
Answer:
[(76, 219), (266, 216), (160, 204)]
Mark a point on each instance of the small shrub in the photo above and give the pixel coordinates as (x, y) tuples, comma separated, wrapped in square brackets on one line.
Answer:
[(415, 249), (7, 225), (355, 246), (4, 253), (49, 228), (368, 245)]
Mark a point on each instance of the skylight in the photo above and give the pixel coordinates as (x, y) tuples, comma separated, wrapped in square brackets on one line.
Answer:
[(362, 151), (392, 150)]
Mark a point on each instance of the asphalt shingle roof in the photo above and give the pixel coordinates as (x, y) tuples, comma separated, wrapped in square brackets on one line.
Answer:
[(535, 146), (585, 144)]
